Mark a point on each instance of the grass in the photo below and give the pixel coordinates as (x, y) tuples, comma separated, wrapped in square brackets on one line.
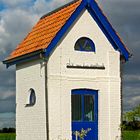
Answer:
[(131, 135), (7, 136), (127, 135)]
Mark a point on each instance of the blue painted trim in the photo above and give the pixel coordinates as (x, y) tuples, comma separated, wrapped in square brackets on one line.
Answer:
[(109, 29), (25, 58), (22, 60), (32, 98), (88, 41), (82, 92), (102, 27), (101, 20), (92, 45), (85, 91), (65, 28)]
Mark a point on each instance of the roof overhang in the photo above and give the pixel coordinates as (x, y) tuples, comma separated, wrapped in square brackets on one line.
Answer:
[(31, 56)]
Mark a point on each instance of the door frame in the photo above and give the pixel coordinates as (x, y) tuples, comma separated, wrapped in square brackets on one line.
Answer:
[(84, 91)]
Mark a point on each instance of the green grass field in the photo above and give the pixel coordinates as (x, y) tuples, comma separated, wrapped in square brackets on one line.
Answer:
[(127, 135), (9, 136), (131, 135)]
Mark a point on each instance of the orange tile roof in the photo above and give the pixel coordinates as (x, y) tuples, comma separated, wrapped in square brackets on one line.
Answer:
[(45, 30)]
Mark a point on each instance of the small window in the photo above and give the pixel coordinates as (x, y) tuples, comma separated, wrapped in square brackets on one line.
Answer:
[(83, 108), (31, 97), (76, 108), (85, 44), (88, 108)]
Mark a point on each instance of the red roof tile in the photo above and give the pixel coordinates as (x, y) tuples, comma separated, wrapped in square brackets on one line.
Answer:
[(44, 31)]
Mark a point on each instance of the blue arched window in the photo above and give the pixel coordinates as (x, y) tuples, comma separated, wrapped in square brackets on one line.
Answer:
[(84, 44), (31, 97)]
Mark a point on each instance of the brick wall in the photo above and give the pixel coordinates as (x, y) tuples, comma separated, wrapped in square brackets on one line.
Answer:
[(62, 80), (31, 120)]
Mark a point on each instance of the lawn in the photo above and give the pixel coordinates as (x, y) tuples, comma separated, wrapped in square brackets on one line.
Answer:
[(131, 135), (9, 136)]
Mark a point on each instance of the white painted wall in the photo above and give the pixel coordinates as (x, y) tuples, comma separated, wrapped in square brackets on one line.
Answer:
[(62, 80), (30, 121)]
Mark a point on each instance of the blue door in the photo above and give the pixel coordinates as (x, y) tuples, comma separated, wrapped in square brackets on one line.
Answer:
[(84, 104)]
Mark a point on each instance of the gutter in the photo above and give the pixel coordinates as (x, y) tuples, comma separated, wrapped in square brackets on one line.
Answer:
[(121, 76), (46, 97), (45, 61), (24, 58)]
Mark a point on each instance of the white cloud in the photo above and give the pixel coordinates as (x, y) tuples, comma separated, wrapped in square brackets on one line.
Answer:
[(14, 25), (6, 94), (15, 3), (132, 78), (130, 103), (1, 66), (131, 97), (42, 6)]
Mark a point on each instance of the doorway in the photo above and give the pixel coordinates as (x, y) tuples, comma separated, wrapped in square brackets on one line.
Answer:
[(84, 104)]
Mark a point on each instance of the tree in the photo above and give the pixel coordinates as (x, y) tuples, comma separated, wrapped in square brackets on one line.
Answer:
[(132, 115), (137, 111), (129, 116), (7, 130), (132, 119)]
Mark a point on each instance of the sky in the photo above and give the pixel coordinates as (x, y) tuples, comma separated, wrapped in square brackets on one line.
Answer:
[(17, 18)]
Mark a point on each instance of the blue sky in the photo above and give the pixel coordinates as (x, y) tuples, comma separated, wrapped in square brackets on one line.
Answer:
[(2, 7), (17, 17)]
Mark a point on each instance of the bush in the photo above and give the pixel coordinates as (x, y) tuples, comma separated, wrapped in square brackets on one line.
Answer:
[(132, 125)]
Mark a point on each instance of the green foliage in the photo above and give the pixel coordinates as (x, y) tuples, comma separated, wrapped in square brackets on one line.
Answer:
[(131, 119), (137, 111), (131, 115)]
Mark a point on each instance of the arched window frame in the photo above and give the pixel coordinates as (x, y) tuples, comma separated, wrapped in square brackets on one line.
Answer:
[(31, 100), (81, 48)]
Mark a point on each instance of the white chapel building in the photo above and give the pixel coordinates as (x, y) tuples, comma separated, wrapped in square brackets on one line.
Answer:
[(68, 76)]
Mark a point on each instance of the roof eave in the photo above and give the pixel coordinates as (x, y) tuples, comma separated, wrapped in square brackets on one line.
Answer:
[(24, 58)]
